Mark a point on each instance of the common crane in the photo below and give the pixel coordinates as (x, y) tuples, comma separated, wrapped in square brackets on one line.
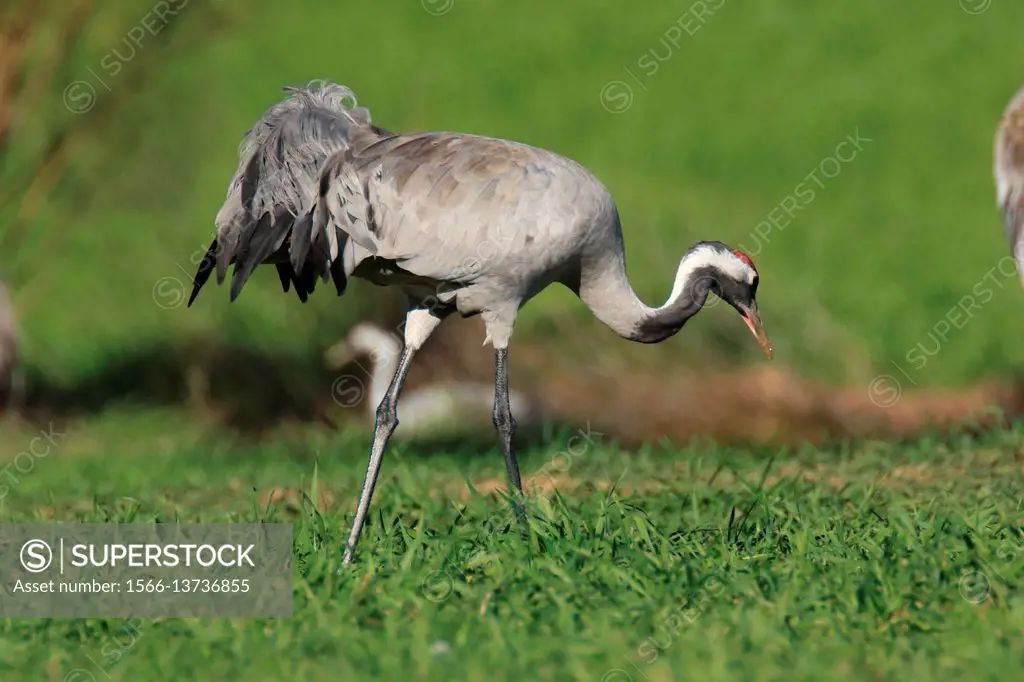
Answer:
[(460, 223)]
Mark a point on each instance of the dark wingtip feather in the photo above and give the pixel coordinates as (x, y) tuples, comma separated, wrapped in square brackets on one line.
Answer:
[(225, 255), (299, 244), (203, 273), (284, 274), (300, 288), (306, 282), (238, 280), (338, 275)]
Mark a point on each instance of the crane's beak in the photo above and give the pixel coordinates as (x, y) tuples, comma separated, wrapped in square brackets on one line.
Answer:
[(753, 320)]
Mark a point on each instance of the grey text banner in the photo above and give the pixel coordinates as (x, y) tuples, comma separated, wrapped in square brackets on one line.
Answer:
[(154, 570)]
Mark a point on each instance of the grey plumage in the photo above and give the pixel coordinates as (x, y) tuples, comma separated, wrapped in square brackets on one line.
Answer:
[(276, 185), (438, 205), (461, 223), (1008, 169)]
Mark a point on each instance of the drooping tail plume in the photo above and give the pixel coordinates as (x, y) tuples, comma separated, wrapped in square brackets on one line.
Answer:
[(267, 216)]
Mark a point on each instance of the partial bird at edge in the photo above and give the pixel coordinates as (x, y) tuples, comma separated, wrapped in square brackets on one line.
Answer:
[(12, 380), (1008, 169)]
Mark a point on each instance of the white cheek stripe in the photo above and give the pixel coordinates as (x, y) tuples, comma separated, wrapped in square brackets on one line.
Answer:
[(728, 263)]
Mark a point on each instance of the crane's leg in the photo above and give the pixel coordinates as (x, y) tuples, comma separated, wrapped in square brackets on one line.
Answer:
[(419, 325), (505, 425)]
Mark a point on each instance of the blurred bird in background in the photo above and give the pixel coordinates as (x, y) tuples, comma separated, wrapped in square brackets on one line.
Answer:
[(439, 409)]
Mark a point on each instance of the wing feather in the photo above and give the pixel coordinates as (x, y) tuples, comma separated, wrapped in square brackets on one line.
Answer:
[(267, 214), (428, 200)]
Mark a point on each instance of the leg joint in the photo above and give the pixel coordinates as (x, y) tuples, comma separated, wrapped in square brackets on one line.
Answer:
[(387, 414), (504, 422)]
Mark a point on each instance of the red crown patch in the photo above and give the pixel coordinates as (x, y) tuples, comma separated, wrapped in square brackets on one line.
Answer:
[(745, 258)]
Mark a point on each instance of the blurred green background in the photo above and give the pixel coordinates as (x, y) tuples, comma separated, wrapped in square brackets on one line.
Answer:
[(104, 212)]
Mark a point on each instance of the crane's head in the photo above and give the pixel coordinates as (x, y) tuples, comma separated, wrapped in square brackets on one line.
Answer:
[(731, 275)]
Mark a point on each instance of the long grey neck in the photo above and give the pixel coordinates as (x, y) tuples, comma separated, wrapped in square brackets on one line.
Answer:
[(606, 290)]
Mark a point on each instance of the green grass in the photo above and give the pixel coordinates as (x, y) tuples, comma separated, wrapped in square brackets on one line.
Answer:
[(715, 139), (870, 561)]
